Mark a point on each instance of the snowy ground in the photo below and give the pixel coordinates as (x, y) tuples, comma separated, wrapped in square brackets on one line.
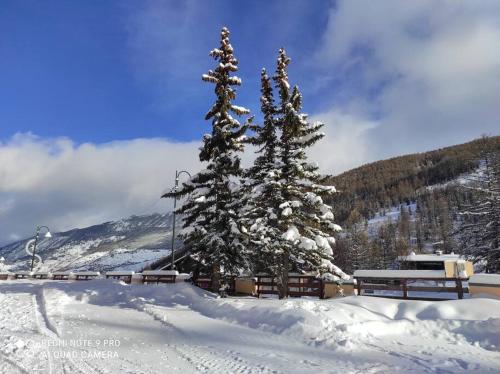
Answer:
[(107, 327)]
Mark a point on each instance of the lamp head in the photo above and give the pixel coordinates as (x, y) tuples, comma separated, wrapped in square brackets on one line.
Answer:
[(48, 234)]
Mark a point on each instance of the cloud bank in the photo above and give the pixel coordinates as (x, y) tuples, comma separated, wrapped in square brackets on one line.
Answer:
[(58, 183), (63, 185)]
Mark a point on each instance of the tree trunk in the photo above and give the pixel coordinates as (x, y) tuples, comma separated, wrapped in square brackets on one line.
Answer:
[(283, 278), (215, 278)]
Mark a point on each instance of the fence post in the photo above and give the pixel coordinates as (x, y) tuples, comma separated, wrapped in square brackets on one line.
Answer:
[(321, 289), (358, 281), (405, 289), (258, 287), (460, 290)]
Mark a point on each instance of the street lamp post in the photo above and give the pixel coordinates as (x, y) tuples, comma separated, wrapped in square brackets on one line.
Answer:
[(177, 175), (47, 235)]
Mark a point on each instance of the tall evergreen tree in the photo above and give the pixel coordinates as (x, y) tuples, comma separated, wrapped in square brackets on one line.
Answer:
[(263, 187), (480, 228), (304, 219), (211, 211)]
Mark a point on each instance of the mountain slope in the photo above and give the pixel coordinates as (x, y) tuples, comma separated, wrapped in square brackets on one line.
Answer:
[(129, 243), (387, 183)]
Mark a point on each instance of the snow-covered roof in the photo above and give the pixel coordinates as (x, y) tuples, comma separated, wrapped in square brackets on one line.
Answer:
[(429, 257), (400, 273), (485, 279), (62, 273), (160, 272)]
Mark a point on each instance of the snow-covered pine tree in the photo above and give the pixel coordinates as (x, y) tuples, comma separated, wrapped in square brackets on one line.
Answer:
[(211, 210), (479, 232), (305, 221), (263, 187)]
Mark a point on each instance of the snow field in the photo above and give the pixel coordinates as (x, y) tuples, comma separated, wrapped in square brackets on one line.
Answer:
[(180, 328)]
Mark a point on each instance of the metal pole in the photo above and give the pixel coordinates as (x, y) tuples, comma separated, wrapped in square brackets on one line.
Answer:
[(34, 248), (177, 175), (173, 219)]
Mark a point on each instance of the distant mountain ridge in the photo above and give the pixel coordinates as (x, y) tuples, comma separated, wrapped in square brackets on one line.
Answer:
[(370, 188), (129, 243)]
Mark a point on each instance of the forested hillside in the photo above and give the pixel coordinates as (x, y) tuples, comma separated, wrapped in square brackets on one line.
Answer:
[(368, 189), (420, 202)]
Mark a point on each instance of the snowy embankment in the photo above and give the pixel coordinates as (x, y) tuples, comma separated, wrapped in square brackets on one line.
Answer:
[(102, 326)]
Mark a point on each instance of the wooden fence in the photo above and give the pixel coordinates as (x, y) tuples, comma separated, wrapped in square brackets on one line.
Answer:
[(298, 285), (205, 282), (406, 285)]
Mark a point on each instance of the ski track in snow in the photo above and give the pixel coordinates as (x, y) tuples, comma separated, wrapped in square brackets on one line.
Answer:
[(186, 330)]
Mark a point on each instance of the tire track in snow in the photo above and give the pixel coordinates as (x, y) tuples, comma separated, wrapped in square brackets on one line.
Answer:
[(7, 359), (19, 328), (209, 360), (120, 364), (205, 359), (49, 330), (37, 310)]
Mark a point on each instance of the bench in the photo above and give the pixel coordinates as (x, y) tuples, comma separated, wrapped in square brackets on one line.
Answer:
[(23, 275), (159, 276), (61, 275), (86, 275), (42, 275), (125, 276)]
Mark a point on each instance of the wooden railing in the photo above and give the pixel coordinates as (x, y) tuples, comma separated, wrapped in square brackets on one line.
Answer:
[(205, 282), (298, 285), (405, 285)]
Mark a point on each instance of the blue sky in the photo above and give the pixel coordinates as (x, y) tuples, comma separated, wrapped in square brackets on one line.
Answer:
[(101, 101), (93, 72)]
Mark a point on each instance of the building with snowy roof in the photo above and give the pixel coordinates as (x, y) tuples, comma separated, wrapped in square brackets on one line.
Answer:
[(452, 265)]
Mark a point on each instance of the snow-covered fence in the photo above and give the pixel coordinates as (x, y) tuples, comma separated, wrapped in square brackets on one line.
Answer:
[(204, 282), (86, 275), (159, 276), (61, 275), (125, 276), (23, 275), (298, 285), (423, 284), (42, 275)]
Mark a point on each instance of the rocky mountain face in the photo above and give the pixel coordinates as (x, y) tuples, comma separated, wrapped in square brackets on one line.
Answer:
[(129, 243)]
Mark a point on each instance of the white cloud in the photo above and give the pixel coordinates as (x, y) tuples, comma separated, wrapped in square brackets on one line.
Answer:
[(345, 143), (63, 185), (429, 69)]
